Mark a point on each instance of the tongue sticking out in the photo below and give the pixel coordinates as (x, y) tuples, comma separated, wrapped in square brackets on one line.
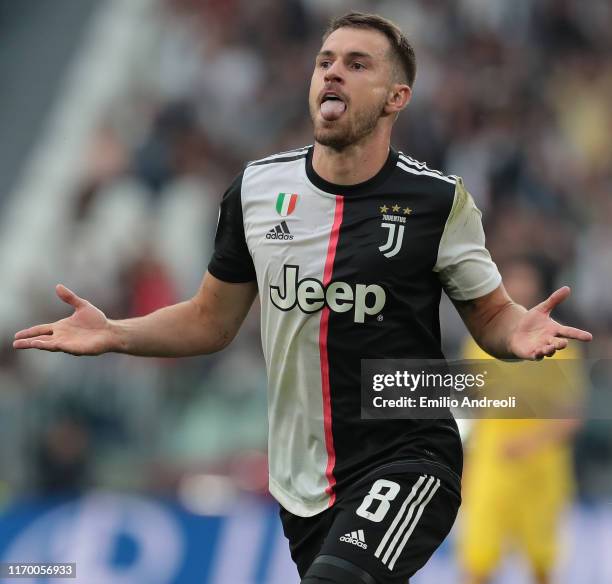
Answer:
[(332, 109)]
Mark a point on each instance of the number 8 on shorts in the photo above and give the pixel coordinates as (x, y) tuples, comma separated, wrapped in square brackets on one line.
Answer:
[(383, 491)]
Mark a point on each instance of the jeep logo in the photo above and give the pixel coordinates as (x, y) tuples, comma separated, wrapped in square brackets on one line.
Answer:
[(310, 295)]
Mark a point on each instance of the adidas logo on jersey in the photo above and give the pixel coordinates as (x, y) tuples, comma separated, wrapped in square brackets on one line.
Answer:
[(356, 538), (281, 231)]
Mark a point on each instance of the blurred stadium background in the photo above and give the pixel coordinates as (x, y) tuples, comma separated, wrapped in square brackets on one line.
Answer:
[(122, 123)]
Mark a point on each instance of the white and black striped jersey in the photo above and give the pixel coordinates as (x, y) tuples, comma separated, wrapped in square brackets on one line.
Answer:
[(348, 273)]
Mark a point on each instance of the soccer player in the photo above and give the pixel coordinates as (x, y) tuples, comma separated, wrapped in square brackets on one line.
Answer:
[(349, 244), (519, 475)]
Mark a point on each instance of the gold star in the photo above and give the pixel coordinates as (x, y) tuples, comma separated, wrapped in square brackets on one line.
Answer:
[(384, 209), (407, 211), (396, 208)]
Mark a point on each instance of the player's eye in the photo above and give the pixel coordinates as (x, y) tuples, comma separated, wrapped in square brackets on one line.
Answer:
[(358, 66), (324, 64)]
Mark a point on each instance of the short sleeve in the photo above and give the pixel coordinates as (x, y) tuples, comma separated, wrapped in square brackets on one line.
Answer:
[(231, 261), (464, 265)]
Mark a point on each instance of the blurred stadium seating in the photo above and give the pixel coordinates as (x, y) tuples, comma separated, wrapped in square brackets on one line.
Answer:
[(129, 118)]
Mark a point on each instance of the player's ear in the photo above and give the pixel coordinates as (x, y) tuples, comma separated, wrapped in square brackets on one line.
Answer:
[(398, 98)]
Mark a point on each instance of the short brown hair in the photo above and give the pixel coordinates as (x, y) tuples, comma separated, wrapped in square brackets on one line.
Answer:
[(400, 46)]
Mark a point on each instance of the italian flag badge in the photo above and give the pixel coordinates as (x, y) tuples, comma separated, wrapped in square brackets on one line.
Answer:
[(285, 204)]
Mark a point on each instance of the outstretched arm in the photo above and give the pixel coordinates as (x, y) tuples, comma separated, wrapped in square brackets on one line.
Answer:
[(507, 330), (204, 324)]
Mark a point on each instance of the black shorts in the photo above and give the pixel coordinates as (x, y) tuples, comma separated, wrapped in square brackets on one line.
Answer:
[(381, 531)]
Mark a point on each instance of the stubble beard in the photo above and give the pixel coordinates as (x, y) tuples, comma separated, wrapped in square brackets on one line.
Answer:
[(343, 135)]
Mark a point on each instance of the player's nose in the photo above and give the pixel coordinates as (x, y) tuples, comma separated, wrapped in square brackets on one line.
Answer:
[(333, 73)]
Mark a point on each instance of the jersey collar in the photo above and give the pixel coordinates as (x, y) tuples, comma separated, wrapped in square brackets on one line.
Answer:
[(357, 189)]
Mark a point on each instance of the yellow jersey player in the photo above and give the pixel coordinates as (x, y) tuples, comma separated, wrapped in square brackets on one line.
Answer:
[(518, 476)]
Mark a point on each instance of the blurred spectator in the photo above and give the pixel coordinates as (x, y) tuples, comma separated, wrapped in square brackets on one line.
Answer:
[(63, 457), (150, 285)]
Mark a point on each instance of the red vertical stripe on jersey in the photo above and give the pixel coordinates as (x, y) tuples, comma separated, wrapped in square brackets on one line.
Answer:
[(323, 330)]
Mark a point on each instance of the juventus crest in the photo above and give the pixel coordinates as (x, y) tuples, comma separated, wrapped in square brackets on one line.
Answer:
[(394, 221)]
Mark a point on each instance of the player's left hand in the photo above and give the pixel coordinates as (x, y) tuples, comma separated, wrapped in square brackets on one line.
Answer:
[(537, 335)]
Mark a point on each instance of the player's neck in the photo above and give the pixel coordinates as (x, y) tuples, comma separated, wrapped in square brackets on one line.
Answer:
[(353, 165)]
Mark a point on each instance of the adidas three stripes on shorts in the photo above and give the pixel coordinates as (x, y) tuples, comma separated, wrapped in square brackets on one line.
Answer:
[(381, 531)]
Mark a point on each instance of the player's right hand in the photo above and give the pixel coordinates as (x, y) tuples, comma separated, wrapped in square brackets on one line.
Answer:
[(86, 332)]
